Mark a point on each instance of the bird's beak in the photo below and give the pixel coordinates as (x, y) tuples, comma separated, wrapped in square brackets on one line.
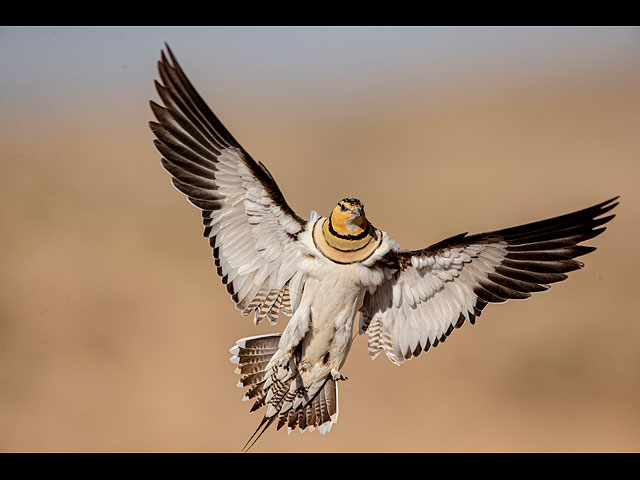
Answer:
[(358, 217)]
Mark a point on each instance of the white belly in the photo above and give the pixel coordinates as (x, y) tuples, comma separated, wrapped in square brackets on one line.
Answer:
[(333, 302)]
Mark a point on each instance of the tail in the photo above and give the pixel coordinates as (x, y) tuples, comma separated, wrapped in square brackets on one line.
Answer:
[(283, 392)]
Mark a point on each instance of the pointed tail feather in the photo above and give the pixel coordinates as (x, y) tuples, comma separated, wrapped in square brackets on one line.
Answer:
[(266, 420)]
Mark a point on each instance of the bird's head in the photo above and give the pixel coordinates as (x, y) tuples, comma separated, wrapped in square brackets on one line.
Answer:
[(346, 236), (348, 219)]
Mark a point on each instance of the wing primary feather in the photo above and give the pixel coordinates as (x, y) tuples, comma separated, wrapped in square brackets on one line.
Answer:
[(185, 103), (238, 196), (213, 120), (555, 222), (514, 284), (177, 139), (168, 117)]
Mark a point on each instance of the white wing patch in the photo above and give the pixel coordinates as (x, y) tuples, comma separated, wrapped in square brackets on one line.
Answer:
[(432, 291), (419, 308), (251, 229)]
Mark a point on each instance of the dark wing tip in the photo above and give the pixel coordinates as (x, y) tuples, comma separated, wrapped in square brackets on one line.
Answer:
[(157, 109), (170, 52), (608, 205)]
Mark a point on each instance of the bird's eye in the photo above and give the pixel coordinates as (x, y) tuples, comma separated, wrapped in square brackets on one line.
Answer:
[(343, 208)]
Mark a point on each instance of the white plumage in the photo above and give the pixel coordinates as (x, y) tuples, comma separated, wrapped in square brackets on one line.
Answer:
[(323, 271)]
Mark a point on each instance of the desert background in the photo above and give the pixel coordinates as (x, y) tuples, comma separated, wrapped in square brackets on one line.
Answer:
[(115, 329)]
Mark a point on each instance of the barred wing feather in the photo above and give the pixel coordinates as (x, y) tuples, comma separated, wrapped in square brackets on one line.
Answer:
[(432, 291), (251, 228)]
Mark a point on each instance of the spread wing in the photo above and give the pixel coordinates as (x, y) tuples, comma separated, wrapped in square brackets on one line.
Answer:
[(432, 291), (251, 229)]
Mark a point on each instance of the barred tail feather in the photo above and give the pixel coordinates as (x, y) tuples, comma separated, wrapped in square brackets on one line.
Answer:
[(322, 412), (251, 355), (283, 393)]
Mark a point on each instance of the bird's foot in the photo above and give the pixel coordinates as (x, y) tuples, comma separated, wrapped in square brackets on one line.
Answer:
[(282, 367), (305, 366), (337, 376), (284, 360)]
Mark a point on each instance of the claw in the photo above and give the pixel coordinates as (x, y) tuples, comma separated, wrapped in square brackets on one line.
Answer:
[(284, 363), (337, 376), (284, 360)]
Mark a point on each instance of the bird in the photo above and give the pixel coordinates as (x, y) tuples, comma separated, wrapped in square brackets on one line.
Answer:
[(324, 272)]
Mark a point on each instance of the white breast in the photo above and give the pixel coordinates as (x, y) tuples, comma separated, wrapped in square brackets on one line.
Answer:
[(332, 296)]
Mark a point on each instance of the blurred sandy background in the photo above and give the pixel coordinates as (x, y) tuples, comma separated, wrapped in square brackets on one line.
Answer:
[(115, 329)]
